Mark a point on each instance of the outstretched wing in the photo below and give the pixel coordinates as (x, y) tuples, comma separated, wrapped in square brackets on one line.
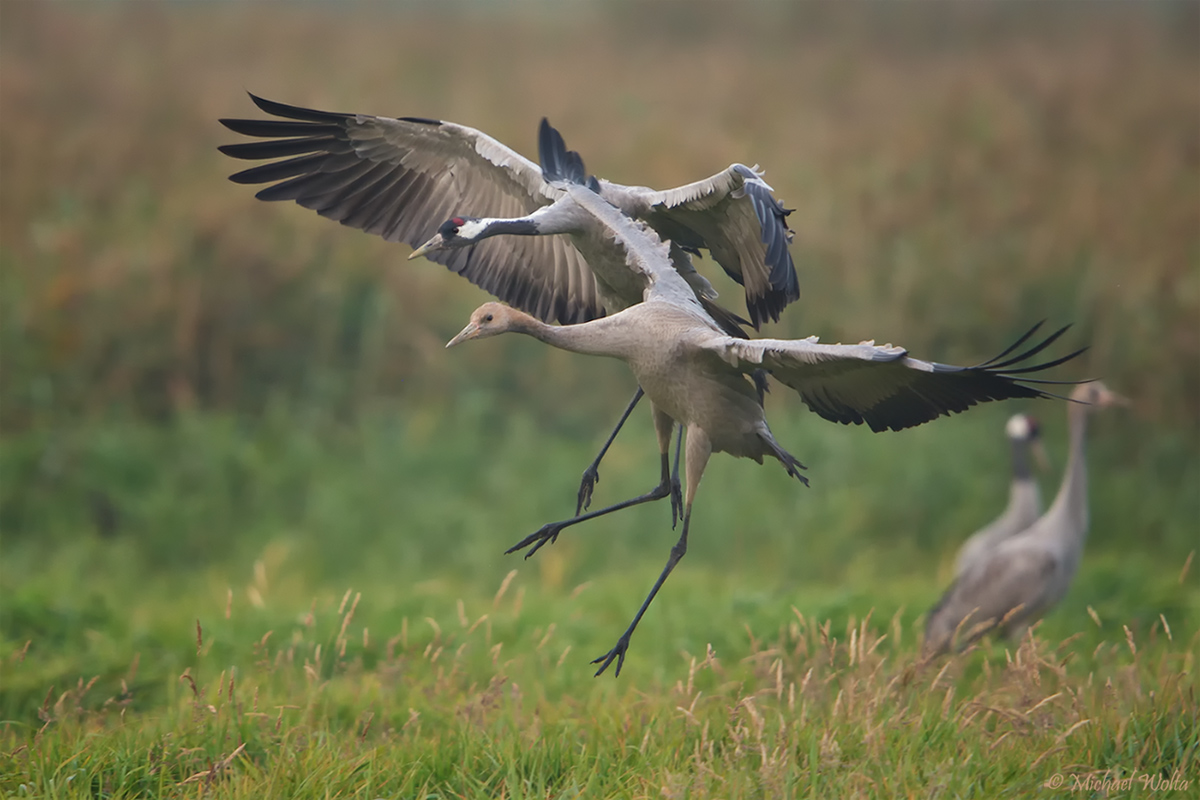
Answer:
[(734, 215), (883, 386), (402, 178)]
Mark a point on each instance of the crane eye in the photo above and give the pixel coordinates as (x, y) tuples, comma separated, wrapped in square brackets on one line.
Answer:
[(488, 318)]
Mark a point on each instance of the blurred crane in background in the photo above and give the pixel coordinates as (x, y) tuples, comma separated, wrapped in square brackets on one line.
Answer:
[(1024, 496), (1021, 578)]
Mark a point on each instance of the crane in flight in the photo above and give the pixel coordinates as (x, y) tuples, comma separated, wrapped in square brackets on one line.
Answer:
[(448, 190)]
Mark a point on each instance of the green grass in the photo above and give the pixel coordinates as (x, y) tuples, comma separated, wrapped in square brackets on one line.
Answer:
[(345, 578), (295, 700), (252, 515)]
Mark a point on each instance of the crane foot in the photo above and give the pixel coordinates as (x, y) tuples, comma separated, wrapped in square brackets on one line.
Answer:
[(548, 533), (618, 652), (591, 476)]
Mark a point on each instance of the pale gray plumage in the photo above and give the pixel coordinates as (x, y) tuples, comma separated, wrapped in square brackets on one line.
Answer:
[(1024, 576), (723, 213), (1024, 496), (696, 375), (401, 178)]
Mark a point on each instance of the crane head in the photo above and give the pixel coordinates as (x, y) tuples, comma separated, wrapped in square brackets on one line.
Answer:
[(492, 319), (1096, 394), (1024, 428), (454, 232)]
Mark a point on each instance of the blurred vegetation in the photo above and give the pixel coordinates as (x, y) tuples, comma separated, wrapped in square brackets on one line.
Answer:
[(405, 692), (220, 409), (178, 355), (204, 372), (957, 173)]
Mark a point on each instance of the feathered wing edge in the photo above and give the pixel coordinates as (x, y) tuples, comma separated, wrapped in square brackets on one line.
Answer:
[(770, 285), (558, 163), (777, 237), (886, 389), (384, 176)]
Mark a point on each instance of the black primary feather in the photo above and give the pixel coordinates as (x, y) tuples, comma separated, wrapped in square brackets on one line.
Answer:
[(947, 390), (559, 163), (320, 169)]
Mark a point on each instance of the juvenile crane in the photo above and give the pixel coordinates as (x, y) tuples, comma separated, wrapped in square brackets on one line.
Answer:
[(1026, 575), (1024, 497), (696, 374), (400, 178)]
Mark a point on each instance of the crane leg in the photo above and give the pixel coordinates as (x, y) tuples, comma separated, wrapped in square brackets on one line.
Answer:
[(548, 533), (676, 488), (698, 451), (664, 426), (591, 475), (622, 645)]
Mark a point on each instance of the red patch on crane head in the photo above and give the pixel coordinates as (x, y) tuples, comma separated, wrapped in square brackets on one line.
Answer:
[(458, 221)]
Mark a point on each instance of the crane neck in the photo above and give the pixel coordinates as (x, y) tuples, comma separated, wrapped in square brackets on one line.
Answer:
[(554, 218), (1072, 501), (600, 337), (520, 226), (1020, 460)]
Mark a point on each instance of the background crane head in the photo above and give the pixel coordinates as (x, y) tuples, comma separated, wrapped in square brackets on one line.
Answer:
[(1024, 428), (1097, 394)]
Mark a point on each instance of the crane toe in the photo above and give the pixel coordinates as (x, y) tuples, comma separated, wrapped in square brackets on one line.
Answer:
[(618, 653), (548, 533), (591, 476)]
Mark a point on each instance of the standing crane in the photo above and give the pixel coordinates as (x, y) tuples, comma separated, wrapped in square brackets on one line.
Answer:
[(1024, 497), (696, 374), (400, 177), (1026, 575)]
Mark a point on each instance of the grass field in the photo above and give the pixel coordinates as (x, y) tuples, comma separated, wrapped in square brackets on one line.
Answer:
[(252, 514)]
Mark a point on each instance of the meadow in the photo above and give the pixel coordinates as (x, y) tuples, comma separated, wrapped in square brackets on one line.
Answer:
[(252, 514)]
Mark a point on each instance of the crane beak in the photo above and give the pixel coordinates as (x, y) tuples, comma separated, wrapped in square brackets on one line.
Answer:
[(436, 243), (1039, 455), (469, 332)]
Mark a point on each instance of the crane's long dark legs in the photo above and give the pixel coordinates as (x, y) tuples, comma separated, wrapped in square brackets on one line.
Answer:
[(549, 532), (676, 488), (591, 475), (698, 451), (663, 427), (622, 645)]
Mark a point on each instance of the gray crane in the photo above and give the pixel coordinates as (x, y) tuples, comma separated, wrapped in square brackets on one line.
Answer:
[(399, 178), (696, 375), (1024, 576), (1024, 497)]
